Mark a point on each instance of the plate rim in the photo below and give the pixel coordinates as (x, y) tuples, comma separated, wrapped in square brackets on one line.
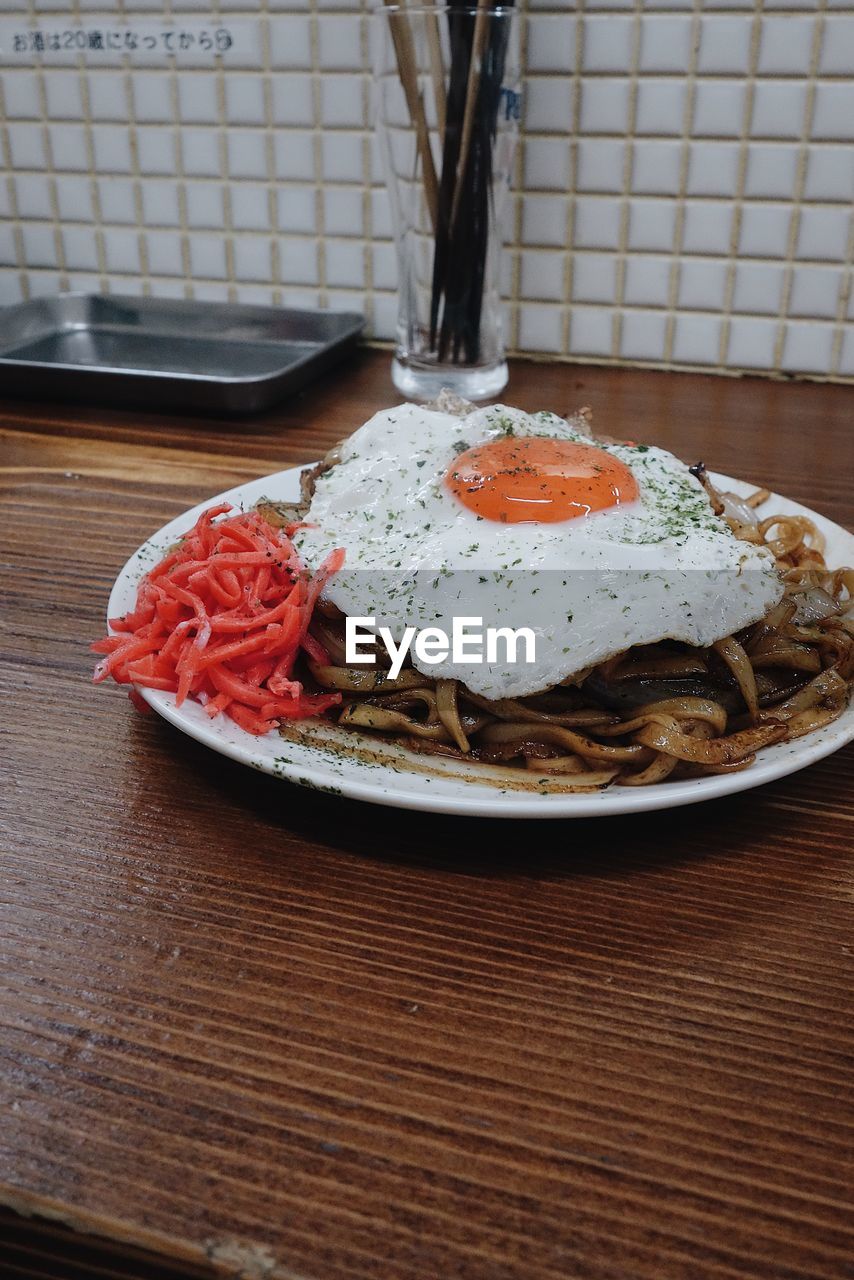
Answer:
[(482, 801)]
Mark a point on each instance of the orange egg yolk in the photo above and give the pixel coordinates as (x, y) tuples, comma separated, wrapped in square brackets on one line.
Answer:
[(535, 478)]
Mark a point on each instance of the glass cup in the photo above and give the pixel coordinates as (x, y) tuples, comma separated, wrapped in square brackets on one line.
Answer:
[(447, 110)]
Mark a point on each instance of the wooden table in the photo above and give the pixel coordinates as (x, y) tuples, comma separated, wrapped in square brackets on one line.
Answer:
[(246, 1029)]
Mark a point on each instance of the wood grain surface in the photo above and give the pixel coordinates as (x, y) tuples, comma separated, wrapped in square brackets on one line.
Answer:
[(251, 1030)]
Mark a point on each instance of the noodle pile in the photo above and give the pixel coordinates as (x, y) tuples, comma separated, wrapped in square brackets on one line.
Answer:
[(659, 711)]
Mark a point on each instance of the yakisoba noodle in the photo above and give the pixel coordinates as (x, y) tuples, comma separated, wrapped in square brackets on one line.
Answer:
[(655, 712)]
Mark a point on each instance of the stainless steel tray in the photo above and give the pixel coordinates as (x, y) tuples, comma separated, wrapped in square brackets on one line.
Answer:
[(164, 353)]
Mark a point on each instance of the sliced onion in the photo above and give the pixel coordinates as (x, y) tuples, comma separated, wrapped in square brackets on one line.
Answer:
[(778, 617), (813, 604), (827, 685), (738, 509), (813, 718)]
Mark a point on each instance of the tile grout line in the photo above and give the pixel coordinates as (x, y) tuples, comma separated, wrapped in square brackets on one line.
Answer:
[(367, 211), (694, 255), (12, 192), (681, 195), (830, 143), (224, 165), (741, 177), (136, 171), (332, 183), (235, 13), (846, 289), (540, 302), (625, 195), (270, 156), (92, 173), (317, 138), (175, 127), (47, 146), (338, 73), (569, 248), (341, 73), (202, 178), (606, 197), (800, 183), (516, 195)]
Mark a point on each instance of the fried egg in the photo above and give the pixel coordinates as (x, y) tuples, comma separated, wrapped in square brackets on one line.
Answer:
[(524, 520)]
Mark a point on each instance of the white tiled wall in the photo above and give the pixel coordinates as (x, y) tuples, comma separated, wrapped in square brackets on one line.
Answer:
[(683, 194)]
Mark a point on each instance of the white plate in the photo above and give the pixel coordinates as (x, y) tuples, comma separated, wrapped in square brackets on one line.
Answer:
[(401, 784)]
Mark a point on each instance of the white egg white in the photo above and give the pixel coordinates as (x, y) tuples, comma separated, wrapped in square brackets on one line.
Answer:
[(664, 567)]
